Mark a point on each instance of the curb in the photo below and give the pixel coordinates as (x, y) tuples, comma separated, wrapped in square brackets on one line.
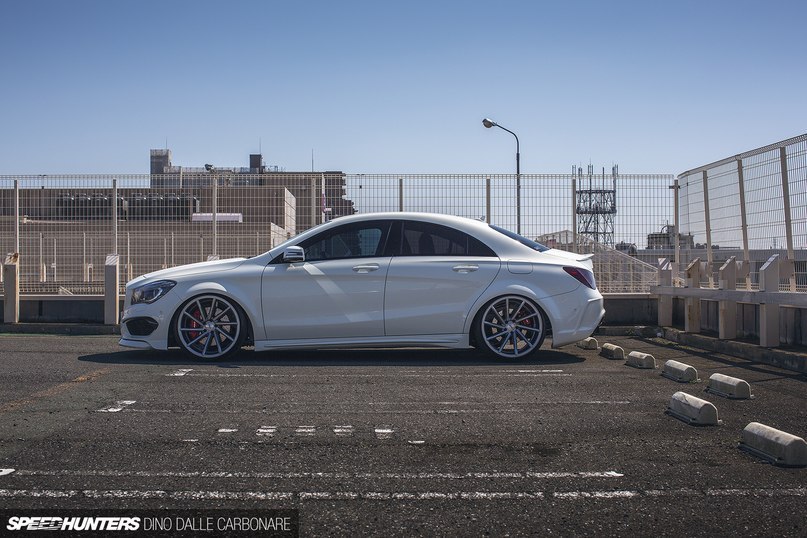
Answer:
[(77, 329), (788, 360)]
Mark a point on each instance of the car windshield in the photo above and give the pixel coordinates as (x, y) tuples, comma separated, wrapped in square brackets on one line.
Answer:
[(521, 239), (296, 238)]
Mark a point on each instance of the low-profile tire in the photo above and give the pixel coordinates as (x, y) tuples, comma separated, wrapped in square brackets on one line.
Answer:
[(510, 327), (210, 327)]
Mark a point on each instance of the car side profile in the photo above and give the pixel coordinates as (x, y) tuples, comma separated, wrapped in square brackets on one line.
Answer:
[(377, 279)]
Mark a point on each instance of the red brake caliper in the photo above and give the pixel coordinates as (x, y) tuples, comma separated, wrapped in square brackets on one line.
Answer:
[(194, 324)]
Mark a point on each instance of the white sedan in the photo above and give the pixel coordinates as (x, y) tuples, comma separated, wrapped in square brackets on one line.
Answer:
[(378, 279)]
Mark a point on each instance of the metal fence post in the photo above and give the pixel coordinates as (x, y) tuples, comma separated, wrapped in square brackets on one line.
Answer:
[(676, 266), (84, 270), (214, 219), (708, 222), (400, 194), (17, 216), (788, 217), (43, 269), (574, 212), (487, 200), (114, 216), (744, 222)]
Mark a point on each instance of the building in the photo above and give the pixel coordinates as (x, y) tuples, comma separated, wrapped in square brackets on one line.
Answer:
[(320, 196)]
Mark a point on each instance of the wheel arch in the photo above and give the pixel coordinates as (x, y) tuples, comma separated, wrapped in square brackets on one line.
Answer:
[(517, 290), (217, 289)]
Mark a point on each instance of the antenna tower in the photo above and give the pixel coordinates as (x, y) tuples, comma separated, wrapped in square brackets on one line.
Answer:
[(596, 205)]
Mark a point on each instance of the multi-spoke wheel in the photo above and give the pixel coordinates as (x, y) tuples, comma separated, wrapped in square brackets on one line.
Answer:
[(510, 327), (209, 327)]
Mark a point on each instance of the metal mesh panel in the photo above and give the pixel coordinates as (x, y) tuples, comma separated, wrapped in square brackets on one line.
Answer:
[(749, 188), (67, 224)]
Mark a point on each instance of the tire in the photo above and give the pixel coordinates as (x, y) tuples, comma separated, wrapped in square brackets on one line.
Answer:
[(210, 327), (510, 327)]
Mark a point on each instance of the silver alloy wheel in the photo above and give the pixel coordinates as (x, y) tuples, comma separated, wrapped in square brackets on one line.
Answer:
[(512, 327), (209, 327)]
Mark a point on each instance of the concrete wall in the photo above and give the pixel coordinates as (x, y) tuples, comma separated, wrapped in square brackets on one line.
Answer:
[(620, 310)]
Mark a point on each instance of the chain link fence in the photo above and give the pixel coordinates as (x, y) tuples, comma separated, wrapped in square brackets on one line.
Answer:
[(749, 206), (65, 226)]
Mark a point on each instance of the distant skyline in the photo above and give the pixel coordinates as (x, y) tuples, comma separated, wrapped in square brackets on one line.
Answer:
[(397, 87)]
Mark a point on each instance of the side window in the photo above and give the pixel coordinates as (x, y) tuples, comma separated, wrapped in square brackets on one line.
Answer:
[(349, 241), (425, 239)]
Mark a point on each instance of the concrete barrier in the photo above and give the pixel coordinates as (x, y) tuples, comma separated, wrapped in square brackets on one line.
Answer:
[(776, 446), (729, 387), (612, 351), (637, 359), (678, 371), (588, 343), (693, 410)]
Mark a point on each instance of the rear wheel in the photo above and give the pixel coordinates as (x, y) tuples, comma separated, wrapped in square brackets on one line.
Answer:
[(510, 327), (210, 327)]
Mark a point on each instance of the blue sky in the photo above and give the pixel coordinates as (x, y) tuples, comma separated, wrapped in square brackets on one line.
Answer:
[(397, 87)]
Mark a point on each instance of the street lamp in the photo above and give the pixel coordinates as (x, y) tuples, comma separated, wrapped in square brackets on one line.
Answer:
[(488, 123)]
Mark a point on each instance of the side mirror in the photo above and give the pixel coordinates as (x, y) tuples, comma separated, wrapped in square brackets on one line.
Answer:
[(293, 255)]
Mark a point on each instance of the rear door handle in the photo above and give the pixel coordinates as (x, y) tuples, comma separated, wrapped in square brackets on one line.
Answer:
[(465, 269), (369, 268)]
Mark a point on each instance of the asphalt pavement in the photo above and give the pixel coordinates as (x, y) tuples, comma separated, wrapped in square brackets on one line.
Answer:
[(398, 442)]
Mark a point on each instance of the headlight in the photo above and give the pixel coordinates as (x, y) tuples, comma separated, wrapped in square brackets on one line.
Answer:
[(149, 293)]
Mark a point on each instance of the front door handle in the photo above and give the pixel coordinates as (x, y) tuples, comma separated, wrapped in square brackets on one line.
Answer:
[(465, 269), (369, 268)]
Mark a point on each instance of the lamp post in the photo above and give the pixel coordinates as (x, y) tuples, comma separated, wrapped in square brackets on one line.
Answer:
[(488, 123)]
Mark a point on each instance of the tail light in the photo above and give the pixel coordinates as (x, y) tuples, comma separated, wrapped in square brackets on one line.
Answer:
[(584, 276)]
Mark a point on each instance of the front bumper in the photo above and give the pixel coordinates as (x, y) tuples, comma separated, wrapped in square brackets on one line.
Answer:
[(137, 344), (160, 312)]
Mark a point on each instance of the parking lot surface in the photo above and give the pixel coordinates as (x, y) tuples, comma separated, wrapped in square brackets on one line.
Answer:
[(398, 442)]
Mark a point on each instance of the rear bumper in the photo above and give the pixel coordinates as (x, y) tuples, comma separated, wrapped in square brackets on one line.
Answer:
[(580, 323)]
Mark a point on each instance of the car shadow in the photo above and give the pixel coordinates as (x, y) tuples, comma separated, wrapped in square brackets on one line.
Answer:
[(336, 357)]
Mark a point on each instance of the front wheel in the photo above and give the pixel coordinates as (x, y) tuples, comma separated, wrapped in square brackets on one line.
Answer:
[(210, 327), (510, 327)]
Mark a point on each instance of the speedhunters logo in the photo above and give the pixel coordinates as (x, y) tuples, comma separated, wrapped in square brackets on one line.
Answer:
[(152, 523), (55, 523)]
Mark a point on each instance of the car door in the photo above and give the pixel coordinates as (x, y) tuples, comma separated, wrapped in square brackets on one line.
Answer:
[(337, 292), (434, 280)]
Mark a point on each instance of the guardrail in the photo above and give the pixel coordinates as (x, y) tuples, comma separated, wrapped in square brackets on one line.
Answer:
[(767, 298)]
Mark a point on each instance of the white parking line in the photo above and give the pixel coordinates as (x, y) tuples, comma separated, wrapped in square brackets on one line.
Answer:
[(116, 407), (181, 372), (390, 375), (305, 431), (595, 494), (255, 475), (490, 409), (343, 431), (384, 432), (227, 430), (266, 431), (381, 495)]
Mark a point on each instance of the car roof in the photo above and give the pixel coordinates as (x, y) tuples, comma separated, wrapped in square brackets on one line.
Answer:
[(504, 246)]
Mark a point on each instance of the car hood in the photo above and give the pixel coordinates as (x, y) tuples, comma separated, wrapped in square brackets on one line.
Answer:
[(191, 269)]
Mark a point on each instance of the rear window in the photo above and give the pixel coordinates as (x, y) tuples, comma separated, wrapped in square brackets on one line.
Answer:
[(521, 239)]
